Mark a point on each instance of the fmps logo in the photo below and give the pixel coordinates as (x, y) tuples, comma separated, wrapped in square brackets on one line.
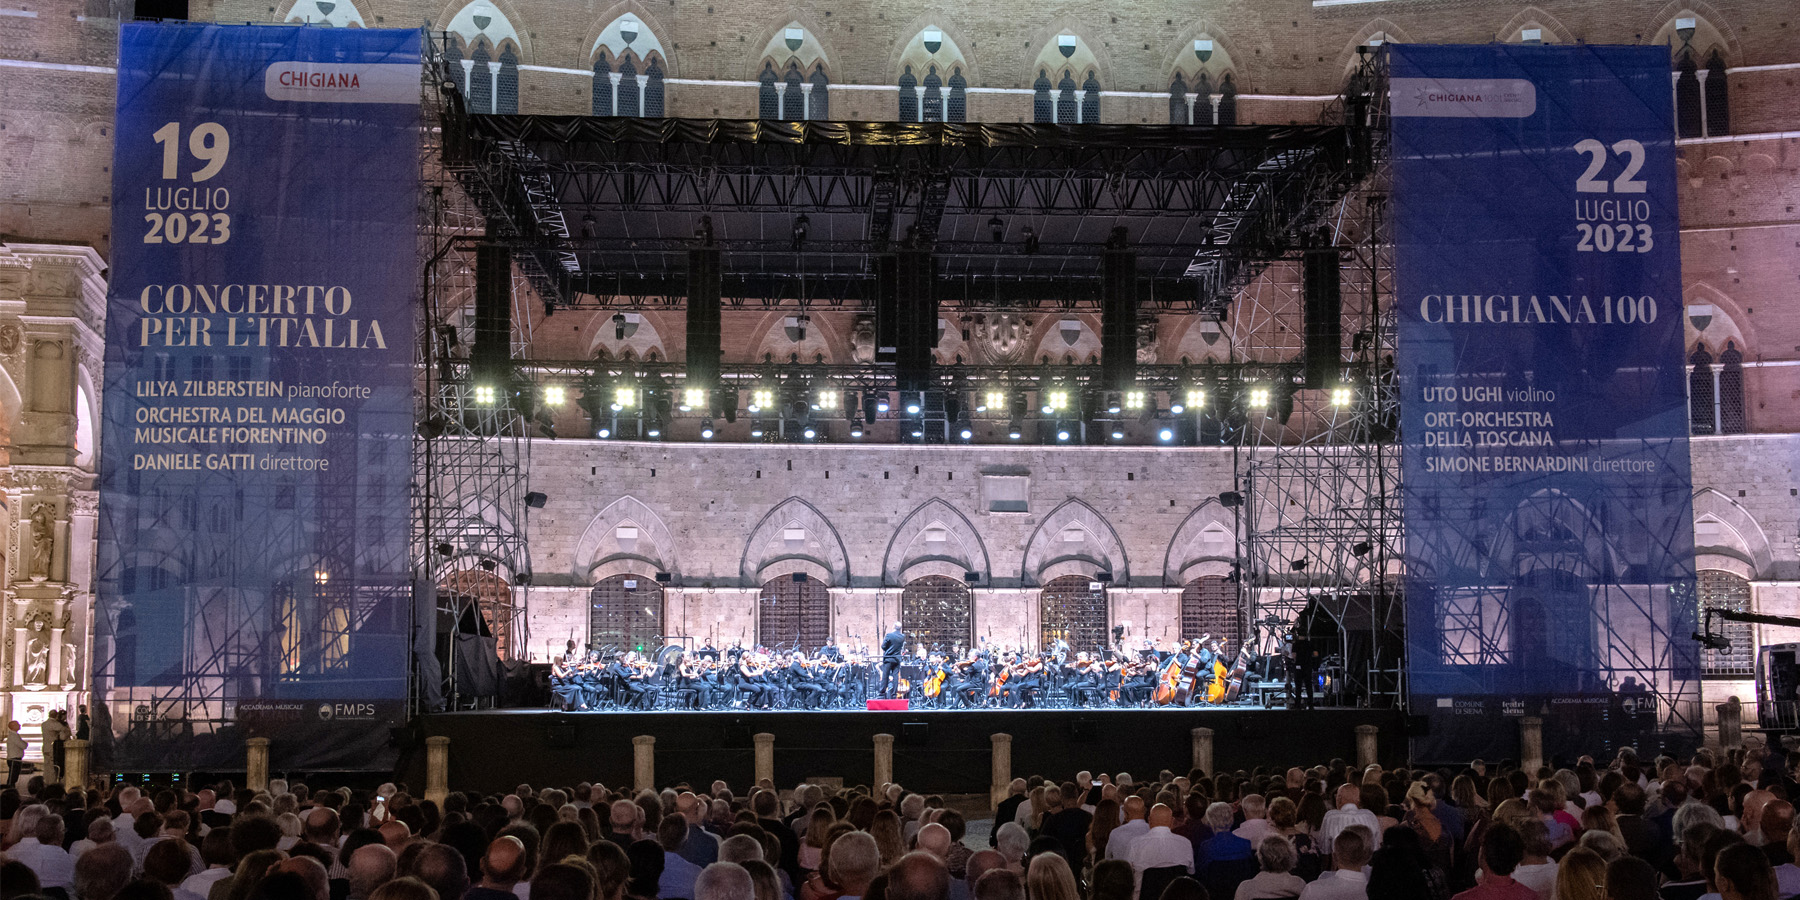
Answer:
[(342, 82), (329, 712)]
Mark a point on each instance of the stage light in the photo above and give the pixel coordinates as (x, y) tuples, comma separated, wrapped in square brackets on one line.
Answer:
[(1062, 432), (918, 432), (692, 397), (1134, 399), (1031, 240), (881, 402), (992, 400), (856, 430), (761, 399), (1259, 398), (485, 395), (1055, 401), (1112, 402), (1196, 398), (914, 402), (998, 229), (1361, 548), (603, 432), (1342, 395), (706, 429), (1015, 429), (1118, 434), (655, 430), (624, 398), (966, 433), (756, 429), (809, 433), (1165, 434), (554, 395), (801, 226), (1298, 565), (826, 400)]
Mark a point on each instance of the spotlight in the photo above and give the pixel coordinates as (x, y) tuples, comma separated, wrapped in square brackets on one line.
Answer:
[(756, 429), (1342, 395), (966, 433), (856, 430), (1259, 397), (1015, 430), (1056, 401), (869, 406), (826, 400), (998, 229), (1112, 402), (809, 433), (624, 398), (692, 397), (1165, 434), (881, 402), (1062, 432), (446, 549), (1134, 399), (761, 399), (1361, 548), (801, 226), (618, 321), (655, 429), (1031, 240), (1118, 434), (485, 395), (1196, 398), (706, 429), (918, 432), (554, 395), (915, 402), (1231, 499), (603, 432), (1298, 565), (992, 400)]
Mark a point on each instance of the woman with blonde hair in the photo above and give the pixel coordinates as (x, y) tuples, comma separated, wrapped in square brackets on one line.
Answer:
[(812, 844), (1581, 876), (888, 842), (1050, 879)]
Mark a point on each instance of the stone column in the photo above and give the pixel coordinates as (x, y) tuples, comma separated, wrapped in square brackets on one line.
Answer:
[(765, 757), (884, 759), (256, 768), (75, 763), (1190, 111), (1001, 779), (1731, 723), (494, 86), (1366, 746), (1531, 744), (805, 98), (1203, 749), (437, 768), (613, 79), (643, 762), (1080, 97)]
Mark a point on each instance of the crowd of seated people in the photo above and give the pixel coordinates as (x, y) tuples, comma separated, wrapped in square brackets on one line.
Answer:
[(1624, 828)]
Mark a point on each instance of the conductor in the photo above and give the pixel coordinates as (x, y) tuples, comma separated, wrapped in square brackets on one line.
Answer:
[(892, 646)]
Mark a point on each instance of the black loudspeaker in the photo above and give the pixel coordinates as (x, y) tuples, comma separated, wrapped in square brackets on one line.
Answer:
[(915, 733), (705, 278), (1324, 328), (1118, 319), (491, 356), (887, 308), (536, 499), (917, 315)]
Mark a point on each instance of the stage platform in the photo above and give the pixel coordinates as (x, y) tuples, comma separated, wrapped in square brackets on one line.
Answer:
[(940, 751)]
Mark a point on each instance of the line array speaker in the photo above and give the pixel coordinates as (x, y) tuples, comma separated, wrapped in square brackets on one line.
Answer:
[(917, 317), (703, 329), (1324, 329), (1118, 319), (491, 355)]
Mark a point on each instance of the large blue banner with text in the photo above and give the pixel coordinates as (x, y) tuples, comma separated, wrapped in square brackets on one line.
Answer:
[(1549, 533), (255, 447)]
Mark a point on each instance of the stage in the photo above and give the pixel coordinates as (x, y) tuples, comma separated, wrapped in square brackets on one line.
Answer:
[(938, 751)]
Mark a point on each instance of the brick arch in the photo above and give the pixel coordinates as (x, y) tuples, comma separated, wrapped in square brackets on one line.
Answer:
[(1048, 556), (602, 26), (768, 46), (954, 37), (646, 340), (1347, 57), (600, 552), (1743, 548), (1724, 325), (821, 553), (1532, 15), (822, 336), (907, 556), (1188, 557), (1711, 29)]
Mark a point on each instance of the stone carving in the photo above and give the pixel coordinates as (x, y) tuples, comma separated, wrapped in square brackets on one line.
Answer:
[(1146, 342), (862, 339), (70, 667), (37, 655), (43, 540), (11, 339), (1002, 338)]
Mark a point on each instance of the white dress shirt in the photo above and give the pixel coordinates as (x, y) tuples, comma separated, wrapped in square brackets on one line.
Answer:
[(1345, 816), (1540, 877), (53, 865), (1343, 884), (202, 882), (1254, 830), (1118, 844), (1156, 848), (1271, 886)]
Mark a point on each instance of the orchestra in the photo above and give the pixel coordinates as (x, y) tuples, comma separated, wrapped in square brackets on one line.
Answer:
[(1188, 673)]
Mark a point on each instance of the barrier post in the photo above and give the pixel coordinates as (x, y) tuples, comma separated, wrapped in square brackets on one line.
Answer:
[(1531, 745), (765, 757), (1001, 779), (256, 764), (643, 762), (1367, 748), (437, 769), (884, 759), (1203, 750)]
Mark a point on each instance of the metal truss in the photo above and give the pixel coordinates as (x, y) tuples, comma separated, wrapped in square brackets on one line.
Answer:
[(1321, 488), (470, 459)]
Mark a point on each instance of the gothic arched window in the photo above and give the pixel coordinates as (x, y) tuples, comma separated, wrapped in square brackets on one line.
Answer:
[(937, 611), (1701, 410), (1731, 390), (1203, 101), (768, 100), (453, 62), (628, 104), (1090, 100), (1042, 108), (932, 110), (603, 90), (1067, 111), (1723, 590), (793, 98), (957, 109), (507, 101), (1227, 101), (1688, 119), (1178, 101), (909, 96), (794, 612), (819, 104), (1718, 100), (653, 89), (481, 81), (1073, 608)]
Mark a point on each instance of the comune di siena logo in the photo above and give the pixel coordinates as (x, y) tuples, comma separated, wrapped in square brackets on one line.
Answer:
[(351, 711)]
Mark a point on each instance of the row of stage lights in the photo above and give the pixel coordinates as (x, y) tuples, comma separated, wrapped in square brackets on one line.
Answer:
[(1057, 404)]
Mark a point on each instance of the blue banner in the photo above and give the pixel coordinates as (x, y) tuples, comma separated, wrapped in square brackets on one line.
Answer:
[(255, 458), (1549, 531)]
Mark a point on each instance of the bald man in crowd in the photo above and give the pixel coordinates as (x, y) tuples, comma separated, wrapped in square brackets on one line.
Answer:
[(1118, 846), (701, 847), (724, 881), (1159, 847), (371, 866), (918, 876), (502, 868)]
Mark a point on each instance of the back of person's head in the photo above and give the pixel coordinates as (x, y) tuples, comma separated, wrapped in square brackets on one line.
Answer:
[(1004, 884), (1502, 849), (1742, 870), (101, 872), (981, 862), (1629, 798), (445, 870), (252, 833), (740, 847), (920, 875), (646, 867), (671, 832), (144, 889), (1535, 835), (763, 879), (17, 880), (1581, 876), (612, 869), (504, 861), (1049, 878), (166, 862), (724, 881), (855, 860), (1631, 878), (1603, 843), (560, 840), (278, 885), (561, 881), (1011, 840), (1709, 851), (1112, 880), (1353, 847), (1185, 888), (1276, 854), (404, 889), (370, 866)]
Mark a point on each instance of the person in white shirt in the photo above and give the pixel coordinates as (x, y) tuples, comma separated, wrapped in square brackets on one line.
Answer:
[(1118, 845), (1159, 847), (44, 855), (1256, 823), (215, 851), (1275, 857), (99, 831), (15, 753), (1537, 871), (1347, 814), (1350, 854)]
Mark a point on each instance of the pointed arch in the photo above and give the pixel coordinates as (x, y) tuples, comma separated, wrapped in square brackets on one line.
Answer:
[(1712, 28), (1050, 552), (1551, 530), (625, 536), (954, 44), (1378, 29), (911, 548), (331, 13), (612, 33), (1196, 549), (1738, 544), (773, 41), (930, 49), (1088, 55), (492, 21), (1705, 305), (1534, 17), (1199, 77), (814, 542)]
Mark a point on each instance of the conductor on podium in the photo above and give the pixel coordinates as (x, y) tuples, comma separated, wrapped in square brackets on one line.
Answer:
[(892, 646)]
